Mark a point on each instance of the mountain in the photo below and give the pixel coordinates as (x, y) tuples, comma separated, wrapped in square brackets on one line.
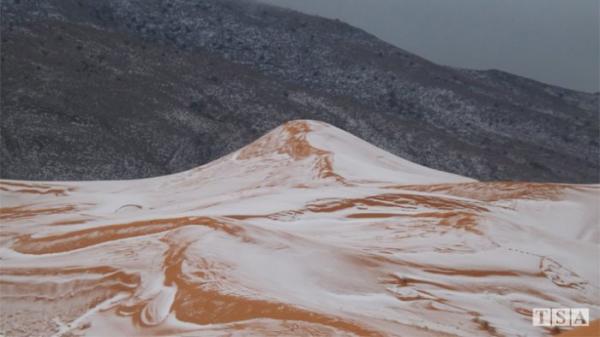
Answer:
[(119, 89), (307, 231)]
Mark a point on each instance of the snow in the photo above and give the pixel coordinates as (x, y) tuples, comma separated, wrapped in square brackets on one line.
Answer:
[(341, 254)]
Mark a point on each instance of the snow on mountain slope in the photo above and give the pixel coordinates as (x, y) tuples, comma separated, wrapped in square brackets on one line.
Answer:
[(307, 231)]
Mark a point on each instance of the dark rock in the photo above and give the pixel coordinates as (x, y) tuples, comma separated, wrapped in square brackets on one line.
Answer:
[(163, 86)]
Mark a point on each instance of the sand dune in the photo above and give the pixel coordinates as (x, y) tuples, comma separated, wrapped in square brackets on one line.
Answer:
[(309, 231)]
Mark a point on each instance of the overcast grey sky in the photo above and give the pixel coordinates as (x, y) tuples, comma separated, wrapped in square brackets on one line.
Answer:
[(553, 41)]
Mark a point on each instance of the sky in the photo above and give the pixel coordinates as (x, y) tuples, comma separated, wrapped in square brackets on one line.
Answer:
[(553, 41)]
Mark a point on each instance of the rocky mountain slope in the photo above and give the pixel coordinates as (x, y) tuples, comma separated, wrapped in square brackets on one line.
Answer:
[(307, 231), (99, 89)]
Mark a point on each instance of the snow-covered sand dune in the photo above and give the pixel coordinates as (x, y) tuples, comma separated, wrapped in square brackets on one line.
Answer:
[(309, 231)]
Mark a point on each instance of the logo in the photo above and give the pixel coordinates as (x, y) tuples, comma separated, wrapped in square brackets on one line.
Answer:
[(560, 317)]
